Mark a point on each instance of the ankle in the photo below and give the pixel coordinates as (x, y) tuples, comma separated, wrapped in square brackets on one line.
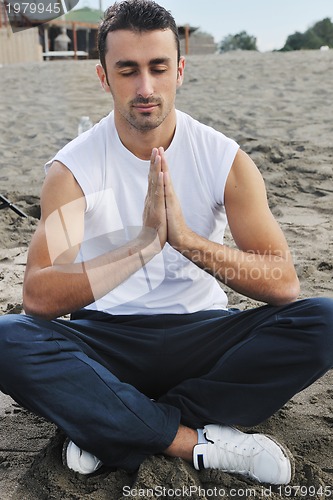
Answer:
[(182, 446)]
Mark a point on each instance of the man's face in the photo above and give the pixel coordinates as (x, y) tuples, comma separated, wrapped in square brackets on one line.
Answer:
[(143, 75)]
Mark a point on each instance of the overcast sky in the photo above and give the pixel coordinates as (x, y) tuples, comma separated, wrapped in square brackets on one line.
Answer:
[(270, 21)]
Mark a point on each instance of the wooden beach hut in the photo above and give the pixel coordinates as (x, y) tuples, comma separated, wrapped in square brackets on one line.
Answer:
[(81, 28)]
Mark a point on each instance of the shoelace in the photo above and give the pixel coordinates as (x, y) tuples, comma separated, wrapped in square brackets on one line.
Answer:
[(235, 458)]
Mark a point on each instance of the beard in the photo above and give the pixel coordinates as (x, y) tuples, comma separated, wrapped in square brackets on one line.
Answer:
[(141, 121)]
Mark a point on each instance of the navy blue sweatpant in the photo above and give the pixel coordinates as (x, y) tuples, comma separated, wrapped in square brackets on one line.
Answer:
[(96, 375)]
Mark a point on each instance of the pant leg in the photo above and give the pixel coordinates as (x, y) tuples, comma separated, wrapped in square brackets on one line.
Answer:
[(53, 376), (213, 367), (282, 351)]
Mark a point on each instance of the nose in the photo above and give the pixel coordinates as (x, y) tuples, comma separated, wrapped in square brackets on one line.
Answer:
[(145, 86)]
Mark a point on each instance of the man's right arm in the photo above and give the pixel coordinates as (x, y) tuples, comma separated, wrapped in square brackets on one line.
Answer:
[(54, 284)]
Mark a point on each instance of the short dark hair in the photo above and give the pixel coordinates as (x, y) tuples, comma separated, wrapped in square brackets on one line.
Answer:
[(135, 15)]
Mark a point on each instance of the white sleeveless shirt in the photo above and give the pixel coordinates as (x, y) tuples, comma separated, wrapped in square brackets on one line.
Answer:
[(114, 182)]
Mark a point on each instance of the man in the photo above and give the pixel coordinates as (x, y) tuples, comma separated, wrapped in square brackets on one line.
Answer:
[(130, 243)]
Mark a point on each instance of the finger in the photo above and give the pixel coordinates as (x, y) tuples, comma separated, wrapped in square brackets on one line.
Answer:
[(159, 192), (153, 156), (160, 185), (153, 159), (167, 186), (156, 186), (164, 164), (156, 171), (152, 163), (171, 200), (155, 168)]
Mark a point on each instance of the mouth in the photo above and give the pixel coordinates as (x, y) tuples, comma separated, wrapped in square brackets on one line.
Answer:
[(145, 108)]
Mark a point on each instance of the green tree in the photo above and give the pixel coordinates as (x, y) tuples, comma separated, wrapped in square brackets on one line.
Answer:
[(324, 30), (240, 41), (319, 34), (312, 40), (294, 42)]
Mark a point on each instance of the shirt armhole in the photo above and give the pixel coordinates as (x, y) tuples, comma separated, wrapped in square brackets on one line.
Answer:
[(83, 181), (225, 167)]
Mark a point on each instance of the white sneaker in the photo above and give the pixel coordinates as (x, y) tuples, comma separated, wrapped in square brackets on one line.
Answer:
[(79, 460), (252, 455)]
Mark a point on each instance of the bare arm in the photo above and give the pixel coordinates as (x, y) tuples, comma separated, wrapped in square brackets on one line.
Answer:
[(54, 284), (261, 267)]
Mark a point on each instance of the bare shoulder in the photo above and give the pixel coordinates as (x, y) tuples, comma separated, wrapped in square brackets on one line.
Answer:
[(62, 219), (245, 181), (59, 189), (250, 219)]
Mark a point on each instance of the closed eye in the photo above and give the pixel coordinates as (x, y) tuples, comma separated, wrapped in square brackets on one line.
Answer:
[(159, 70), (130, 72)]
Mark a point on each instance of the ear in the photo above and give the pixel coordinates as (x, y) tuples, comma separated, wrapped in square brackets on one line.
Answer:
[(180, 72), (102, 77)]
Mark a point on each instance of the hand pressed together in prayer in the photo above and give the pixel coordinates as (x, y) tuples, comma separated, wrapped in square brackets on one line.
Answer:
[(162, 209)]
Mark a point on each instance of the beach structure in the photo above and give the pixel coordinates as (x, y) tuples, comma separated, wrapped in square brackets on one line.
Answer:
[(81, 28), (194, 42), (21, 46), (77, 29), (82, 25), (72, 35)]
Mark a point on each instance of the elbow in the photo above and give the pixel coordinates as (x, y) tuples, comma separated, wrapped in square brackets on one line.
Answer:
[(36, 307), (292, 289), (36, 311), (286, 293)]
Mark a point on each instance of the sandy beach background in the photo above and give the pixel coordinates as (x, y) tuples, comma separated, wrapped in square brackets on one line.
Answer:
[(279, 107)]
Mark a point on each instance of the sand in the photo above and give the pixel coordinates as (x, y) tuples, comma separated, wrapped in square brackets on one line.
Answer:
[(279, 108)]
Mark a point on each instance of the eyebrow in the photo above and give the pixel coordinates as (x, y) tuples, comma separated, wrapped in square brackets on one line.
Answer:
[(133, 64)]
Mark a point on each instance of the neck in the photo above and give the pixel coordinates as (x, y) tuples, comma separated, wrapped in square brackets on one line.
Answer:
[(141, 143)]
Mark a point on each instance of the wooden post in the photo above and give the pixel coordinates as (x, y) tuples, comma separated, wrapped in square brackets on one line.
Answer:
[(187, 38), (46, 39), (87, 39), (74, 40), (3, 14)]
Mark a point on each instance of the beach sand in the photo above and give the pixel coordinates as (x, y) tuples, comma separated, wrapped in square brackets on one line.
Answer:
[(279, 107)]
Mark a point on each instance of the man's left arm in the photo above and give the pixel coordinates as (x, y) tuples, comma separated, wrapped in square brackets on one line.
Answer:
[(261, 266)]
